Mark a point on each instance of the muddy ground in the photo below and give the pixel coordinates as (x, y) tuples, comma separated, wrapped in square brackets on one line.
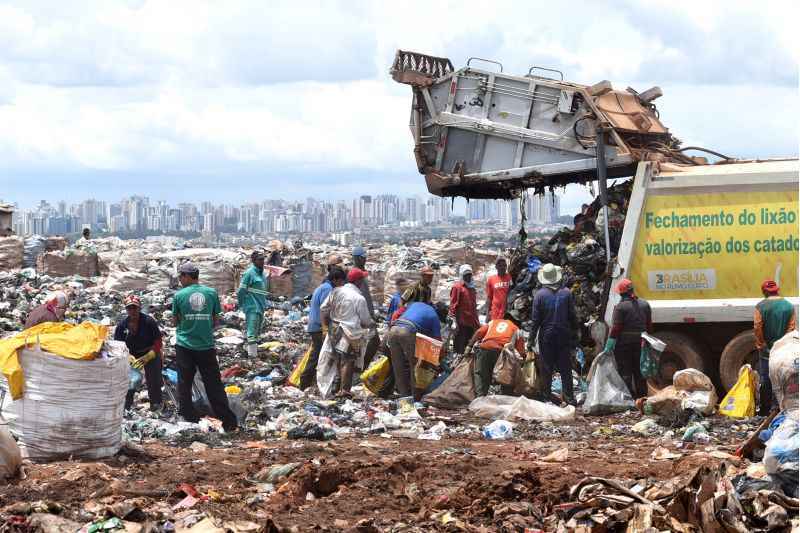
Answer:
[(365, 483)]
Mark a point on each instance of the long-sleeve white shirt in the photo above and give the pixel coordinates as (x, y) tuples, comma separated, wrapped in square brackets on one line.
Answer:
[(347, 307)]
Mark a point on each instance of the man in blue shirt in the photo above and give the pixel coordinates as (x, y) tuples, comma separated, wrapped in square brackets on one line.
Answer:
[(315, 328), (397, 298), (554, 323), (402, 340)]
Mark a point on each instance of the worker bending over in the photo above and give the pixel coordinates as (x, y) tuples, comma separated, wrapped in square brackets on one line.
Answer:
[(491, 338), (141, 335)]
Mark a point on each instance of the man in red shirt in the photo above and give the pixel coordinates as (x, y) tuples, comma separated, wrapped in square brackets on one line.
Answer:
[(463, 314), (497, 288), (493, 337)]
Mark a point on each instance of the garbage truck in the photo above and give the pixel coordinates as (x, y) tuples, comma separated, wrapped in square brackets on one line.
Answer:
[(698, 238), (697, 243)]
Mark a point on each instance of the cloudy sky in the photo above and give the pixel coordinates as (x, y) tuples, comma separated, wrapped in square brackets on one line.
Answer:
[(236, 101)]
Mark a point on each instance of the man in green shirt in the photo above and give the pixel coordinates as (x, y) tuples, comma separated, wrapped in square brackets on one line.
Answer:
[(194, 310), (252, 297), (774, 317)]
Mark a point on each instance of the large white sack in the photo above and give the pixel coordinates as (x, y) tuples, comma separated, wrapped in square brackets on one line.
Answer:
[(10, 455), (784, 366), (513, 407), (71, 407)]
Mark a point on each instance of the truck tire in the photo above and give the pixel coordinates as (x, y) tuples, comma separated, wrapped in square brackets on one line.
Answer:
[(739, 351), (682, 352)]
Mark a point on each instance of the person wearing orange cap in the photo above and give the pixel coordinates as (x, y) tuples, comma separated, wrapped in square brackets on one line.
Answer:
[(632, 316), (141, 335), (774, 317)]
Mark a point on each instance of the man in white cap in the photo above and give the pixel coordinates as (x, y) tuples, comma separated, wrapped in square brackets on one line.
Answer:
[(555, 323), (463, 313), (51, 310)]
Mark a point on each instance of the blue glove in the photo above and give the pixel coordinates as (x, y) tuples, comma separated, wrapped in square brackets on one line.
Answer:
[(610, 344)]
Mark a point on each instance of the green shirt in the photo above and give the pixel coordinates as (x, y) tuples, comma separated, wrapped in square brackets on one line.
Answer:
[(776, 315), (195, 306)]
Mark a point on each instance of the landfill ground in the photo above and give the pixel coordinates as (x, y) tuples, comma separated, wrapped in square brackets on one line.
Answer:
[(371, 482)]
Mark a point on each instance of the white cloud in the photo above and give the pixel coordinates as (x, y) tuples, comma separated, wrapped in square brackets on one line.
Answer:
[(179, 86)]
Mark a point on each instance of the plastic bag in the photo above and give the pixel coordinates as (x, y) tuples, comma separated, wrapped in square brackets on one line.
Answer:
[(607, 392), (10, 455), (297, 373), (135, 379), (740, 402), (498, 430), (648, 362), (424, 373), (527, 384), (781, 453), (458, 389), (507, 368), (376, 375), (511, 407), (784, 368), (327, 369), (691, 379)]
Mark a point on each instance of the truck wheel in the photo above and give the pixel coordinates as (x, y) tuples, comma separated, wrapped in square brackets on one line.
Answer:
[(740, 351), (682, 352)]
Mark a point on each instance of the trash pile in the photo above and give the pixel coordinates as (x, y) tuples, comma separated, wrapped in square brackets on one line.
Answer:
[(580, 252), (494, 462)]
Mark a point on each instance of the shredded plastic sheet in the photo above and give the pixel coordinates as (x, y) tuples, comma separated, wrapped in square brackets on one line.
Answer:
[(71, 407), (70, 341), (781, 453), (607, 392), (512, 407)]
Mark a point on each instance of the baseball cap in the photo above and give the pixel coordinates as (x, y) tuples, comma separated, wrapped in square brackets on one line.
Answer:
[(770, 287), (355, 275), (188, 268), (359, 251), (132, 300)]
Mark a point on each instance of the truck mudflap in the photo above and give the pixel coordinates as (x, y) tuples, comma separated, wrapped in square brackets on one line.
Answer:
[(488, 134)]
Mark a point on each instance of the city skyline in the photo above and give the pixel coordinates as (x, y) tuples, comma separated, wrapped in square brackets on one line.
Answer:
[(138, 213)]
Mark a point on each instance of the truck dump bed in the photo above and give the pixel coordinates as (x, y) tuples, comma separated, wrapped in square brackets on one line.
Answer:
[(488, 134)]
